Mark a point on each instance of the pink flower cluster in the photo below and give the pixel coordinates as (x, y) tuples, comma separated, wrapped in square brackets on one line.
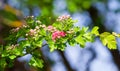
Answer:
[(63, 17), (32, 32), (57, 35), (51, 28)]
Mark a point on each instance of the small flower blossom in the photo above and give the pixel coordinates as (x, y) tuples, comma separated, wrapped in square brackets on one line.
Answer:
[(25, 26), (26, 38), (26, 34), (15, 29), (63, 17), (51, 28), (29, 17), (43, 26), (12, 46), (32, 32), (37, 27), (32, 16), (39, 22)]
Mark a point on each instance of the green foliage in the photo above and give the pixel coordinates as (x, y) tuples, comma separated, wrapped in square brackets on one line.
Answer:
[(28, 38), (36, 62)]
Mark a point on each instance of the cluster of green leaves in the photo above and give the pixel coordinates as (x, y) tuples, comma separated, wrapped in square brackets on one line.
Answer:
[(28, 39)]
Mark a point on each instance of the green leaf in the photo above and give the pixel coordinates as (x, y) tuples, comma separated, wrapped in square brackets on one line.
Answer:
[(80, 40), (36, 62), (58, 25), (25, 43), (42, 32), (61, 46), (103, 38), (4, 54), (17, 51), (12, 57), (109, 40), (76, 29), (88, 37), (84, 29), (72, 42), (52, 47), (95, 31), (39, 44)]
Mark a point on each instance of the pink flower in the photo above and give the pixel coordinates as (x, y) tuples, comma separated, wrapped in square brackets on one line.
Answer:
[(57, 35), (51, 28), (32, 32)]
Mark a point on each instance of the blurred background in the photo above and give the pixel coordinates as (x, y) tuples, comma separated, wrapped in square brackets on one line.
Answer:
[(95, 56)]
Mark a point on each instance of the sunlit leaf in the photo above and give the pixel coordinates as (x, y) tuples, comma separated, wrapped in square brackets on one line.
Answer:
[(12, 57), (109, 40), (95, 31), (80, 40)]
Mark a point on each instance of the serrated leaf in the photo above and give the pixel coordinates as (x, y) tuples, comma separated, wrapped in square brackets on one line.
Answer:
[(80, 40), (95, 31), (52, 45), (88, 37), (104, 41), (76, 29), (109, 40), (39, 43), (84, 29)]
